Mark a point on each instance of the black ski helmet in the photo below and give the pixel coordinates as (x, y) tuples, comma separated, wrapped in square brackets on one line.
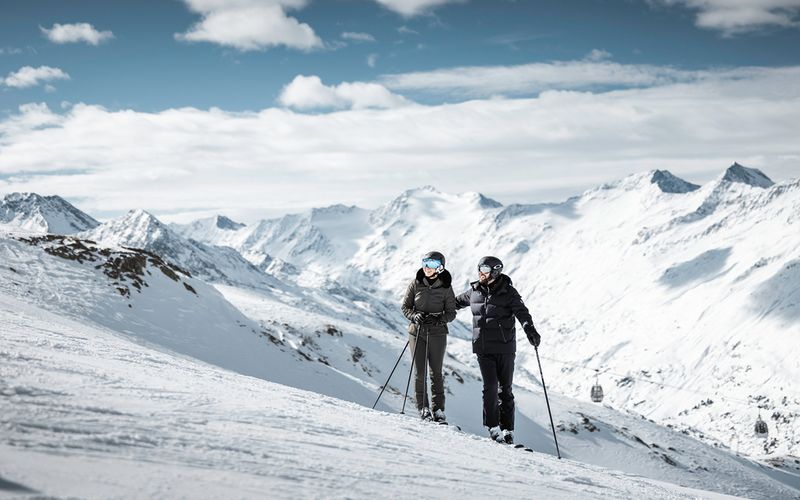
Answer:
[(434, 256), (495, 265)]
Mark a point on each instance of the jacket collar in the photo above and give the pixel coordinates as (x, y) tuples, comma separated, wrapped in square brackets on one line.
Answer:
[(444, 279), (501, 285)]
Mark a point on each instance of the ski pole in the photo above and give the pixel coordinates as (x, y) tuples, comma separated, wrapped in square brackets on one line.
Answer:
[(390, 375), (411, 368), (425, 373), (548, 402)]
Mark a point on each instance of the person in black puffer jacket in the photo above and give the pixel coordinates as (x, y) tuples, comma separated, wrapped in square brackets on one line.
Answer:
[(495, 303), (429, 304)]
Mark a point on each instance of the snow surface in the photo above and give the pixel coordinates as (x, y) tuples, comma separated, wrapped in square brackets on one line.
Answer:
[(87, 413), (347, 359), (686, 300), (656, 283)]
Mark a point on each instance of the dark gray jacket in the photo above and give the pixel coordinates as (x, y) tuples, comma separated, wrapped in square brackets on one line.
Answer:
[(437, 297), (493, 311)]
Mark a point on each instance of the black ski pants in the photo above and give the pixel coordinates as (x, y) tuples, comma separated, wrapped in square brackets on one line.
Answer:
[(497, 371), (435, 345)]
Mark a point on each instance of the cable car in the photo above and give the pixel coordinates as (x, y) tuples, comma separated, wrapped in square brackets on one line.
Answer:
[(761, 427), (597, 390)]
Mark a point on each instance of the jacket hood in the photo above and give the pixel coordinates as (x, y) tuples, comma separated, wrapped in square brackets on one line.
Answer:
[(444, 276)]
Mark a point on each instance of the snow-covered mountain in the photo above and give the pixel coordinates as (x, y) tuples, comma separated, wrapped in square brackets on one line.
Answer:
[(677, 294), (639, 279), (152, 397), (43, 214), (210, 228), (140, 229)]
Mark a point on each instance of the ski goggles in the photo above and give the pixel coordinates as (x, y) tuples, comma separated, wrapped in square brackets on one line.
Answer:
[(431, 263), (486, 269)]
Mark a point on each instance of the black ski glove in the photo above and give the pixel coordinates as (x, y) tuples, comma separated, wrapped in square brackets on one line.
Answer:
[(533, 336), (432, 319), (418, 318)]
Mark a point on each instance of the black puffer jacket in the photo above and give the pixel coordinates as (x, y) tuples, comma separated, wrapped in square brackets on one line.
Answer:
[(493, 311), (436, 297)]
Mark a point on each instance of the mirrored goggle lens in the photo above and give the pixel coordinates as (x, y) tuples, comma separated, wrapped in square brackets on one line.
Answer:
[(486, 269), (432, 263)]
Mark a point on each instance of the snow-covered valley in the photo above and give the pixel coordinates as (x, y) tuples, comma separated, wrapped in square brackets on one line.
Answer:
[(683, 297)]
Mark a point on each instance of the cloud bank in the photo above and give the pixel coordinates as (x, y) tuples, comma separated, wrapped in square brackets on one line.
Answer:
[(189, 162)]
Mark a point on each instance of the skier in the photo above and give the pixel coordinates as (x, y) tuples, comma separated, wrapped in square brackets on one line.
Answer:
[(495, 303), (429, 304)]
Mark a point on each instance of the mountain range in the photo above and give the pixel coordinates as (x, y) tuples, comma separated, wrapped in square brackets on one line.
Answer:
[(680, 299)]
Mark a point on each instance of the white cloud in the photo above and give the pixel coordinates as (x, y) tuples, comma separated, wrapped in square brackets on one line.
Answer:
[(74, 33), (358, 37), (598, 55), (410, 8), (372, 60), (28, 76), (308, 92), (250, 25), (740, 16), (593, 72), (275, 160)]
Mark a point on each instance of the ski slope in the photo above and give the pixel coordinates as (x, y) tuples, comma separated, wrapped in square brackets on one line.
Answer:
[(202, 327), (87, 413)]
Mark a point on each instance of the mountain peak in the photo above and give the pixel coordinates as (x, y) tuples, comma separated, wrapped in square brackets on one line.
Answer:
[(750, 176), (141, 216), (50, 214), (669, 183), (223, 222), (484, 201)]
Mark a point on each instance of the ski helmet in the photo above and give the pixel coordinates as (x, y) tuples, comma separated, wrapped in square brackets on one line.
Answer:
[(433, 260), (491, 265)]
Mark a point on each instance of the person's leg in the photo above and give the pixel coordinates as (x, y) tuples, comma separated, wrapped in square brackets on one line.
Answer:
[(488, 367), (418, 351), (505, 373), (437, 346)]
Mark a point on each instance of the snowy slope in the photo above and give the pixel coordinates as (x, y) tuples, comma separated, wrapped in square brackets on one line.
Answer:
[(148, 300), (140, 229), (320, 341), (331, 352), (677, 294), (46, 214), (87, 413)]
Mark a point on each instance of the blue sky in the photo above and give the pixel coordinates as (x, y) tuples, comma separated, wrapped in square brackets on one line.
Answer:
[(144, 67), (427, 68)]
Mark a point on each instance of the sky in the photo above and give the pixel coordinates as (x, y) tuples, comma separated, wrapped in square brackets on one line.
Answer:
[(256, 108)]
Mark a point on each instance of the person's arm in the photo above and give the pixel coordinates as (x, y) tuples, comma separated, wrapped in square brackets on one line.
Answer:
[(449, 306), (519, 309), (463, 299), (524, 317), (408, 302)]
